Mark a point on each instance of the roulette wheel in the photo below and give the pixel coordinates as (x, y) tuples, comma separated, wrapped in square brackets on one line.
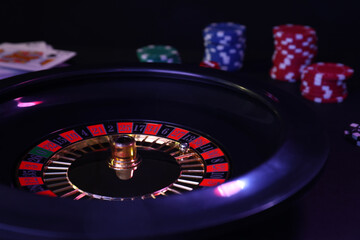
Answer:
[(147, 150)]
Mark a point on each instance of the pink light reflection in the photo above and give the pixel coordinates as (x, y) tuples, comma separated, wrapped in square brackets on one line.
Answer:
[(230, 188), (27, 104)]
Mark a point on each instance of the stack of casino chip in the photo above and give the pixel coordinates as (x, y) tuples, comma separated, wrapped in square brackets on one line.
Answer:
[(352, 133), (325, 82), (158, 54), (224, 44), (295, 48)]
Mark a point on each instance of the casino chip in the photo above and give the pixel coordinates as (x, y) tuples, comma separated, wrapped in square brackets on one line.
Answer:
[(352, 133), (158, 53), (325, 82), (210, 64), (224, 43), (295, 48)]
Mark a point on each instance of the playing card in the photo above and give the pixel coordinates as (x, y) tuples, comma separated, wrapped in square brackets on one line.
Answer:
[(32, 56)]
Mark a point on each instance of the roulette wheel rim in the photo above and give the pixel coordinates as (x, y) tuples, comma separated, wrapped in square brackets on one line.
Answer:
[(292, 165)]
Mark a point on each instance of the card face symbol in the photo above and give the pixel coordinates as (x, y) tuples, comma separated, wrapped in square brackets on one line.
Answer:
[(32, 56), (21, 56)]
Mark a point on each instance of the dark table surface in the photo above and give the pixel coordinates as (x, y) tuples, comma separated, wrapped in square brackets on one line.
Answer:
[(329, 208)]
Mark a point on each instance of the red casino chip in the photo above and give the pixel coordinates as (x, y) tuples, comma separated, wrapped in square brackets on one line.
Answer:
[(324, 87), (319, 91), (295, 48), (328, 71), (285, 73), (210, 64), (294, 30), (288, 43), (309, 52), (321, 99), (287, 40), (323, 95), (337, 85), (325, 82), (318, 81), (293, 61)]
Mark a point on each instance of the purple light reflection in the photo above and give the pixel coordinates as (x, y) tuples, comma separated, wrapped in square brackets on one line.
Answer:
[(26, 104), (230, 188)]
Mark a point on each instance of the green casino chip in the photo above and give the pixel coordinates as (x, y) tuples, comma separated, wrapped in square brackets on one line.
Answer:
[(158, 53)]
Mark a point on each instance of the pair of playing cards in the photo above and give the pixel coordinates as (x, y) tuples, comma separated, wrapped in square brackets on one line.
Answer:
[(17, 58)]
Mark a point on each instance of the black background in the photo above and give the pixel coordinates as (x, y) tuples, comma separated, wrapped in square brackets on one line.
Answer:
[(111, 31)]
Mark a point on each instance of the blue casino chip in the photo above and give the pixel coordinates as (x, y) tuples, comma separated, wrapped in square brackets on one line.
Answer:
[(225, 32), (228, 61), (225, 44)]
